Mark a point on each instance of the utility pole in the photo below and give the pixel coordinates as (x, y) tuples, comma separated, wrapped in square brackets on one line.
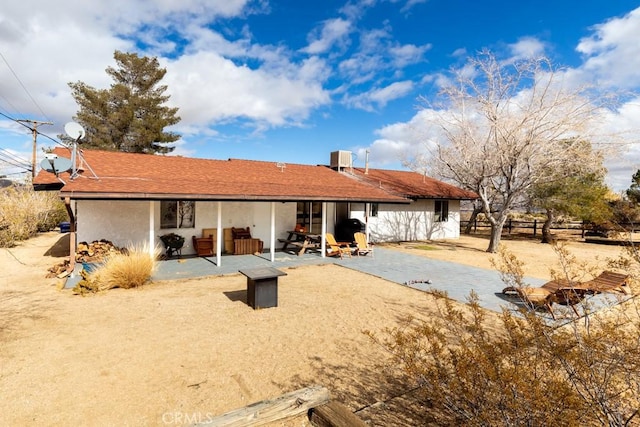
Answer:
[(34, 131)]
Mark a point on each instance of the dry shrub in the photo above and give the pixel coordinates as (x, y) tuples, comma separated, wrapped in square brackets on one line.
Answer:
[(525, 372), (24, 212), (130, 269)]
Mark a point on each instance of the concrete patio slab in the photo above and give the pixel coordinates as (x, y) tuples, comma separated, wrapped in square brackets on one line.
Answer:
[(456, 279)]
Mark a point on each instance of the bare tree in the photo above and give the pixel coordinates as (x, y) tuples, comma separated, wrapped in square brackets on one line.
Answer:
[(506, 126)]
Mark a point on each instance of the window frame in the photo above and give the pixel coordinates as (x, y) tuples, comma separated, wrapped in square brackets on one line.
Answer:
[(170, 217), (441, 210), (373, 209)]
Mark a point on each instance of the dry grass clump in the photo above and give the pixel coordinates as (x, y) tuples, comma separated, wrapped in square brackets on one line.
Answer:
[(130, 269), (24, 212)]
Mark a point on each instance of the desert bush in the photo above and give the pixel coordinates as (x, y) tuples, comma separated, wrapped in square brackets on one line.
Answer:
[(473, 369), (25, 212), (130, 269)]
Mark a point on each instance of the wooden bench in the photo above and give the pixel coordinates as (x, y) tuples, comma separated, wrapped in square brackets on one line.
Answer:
[(296, 243)]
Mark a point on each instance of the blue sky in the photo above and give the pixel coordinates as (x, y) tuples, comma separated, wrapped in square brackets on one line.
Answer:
[(291, 81)]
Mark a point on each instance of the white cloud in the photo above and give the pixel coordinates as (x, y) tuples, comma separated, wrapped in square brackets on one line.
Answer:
[(612, 52), (380, 96), (459, 53), (401, 141), (410, 4), (408, 54), (333, 31), (527, 47), (209, 89), (70, 41)]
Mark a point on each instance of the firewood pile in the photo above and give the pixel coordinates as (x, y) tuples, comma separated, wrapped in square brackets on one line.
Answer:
[(96, 251), (59, 270)]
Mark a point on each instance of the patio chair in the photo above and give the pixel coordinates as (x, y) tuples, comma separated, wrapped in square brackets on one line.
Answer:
[(336, 249), (206, 245), (607, 281), (363, 248), (544, 297), (569, 293), (243, 243)]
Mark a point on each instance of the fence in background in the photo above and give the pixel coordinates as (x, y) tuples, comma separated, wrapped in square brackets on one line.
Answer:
[(529, 227), (570, 227)]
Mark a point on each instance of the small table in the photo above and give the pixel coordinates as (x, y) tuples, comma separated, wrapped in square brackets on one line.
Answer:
[(262, 286)]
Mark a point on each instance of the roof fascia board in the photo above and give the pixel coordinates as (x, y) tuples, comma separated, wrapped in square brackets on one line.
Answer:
[(223, 198)]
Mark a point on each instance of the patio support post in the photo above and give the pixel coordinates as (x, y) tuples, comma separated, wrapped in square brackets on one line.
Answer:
[(219, 236), (323, 240), (72, 233), (272, 237), (367, 207), (152, 225)]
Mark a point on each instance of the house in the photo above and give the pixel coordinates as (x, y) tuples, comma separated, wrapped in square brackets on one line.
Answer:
[(433, 214), (132, 198)]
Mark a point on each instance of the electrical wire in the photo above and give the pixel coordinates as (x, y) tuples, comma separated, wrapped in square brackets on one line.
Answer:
[(23, 86), (20, 163), (31, 129), (8, 154)]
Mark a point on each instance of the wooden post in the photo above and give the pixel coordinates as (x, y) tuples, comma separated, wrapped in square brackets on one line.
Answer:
[(535, 227), (72, 233), (334, 414), (267, 411)]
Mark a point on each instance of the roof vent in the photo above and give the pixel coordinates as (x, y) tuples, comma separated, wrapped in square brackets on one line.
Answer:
[(341, 160)]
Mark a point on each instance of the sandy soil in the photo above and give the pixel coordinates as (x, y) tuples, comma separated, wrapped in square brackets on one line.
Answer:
[(538, 258), (172, 353)]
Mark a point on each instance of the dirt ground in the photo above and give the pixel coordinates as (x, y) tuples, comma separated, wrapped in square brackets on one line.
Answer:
[(178, 352)]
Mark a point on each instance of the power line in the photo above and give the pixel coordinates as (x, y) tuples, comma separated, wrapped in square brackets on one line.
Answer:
[(23, 86), (9, 154), (10, 104), (34, 132), (12, 160), (20, 122)]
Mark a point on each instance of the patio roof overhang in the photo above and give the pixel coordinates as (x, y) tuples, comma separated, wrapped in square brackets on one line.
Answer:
[(77, 195)]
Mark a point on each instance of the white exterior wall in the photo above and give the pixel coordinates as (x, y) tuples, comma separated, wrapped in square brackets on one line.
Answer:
[(409, 222), (126, 222)]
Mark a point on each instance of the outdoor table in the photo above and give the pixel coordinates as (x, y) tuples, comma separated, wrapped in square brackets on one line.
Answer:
[(302, 240), (262, 286)]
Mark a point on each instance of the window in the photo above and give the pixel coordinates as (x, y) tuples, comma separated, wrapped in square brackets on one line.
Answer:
[(442, 211), (373, 209), (310, 216), (177, 214)]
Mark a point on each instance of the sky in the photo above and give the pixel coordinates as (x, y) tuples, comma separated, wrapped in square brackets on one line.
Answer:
[(292, 81)]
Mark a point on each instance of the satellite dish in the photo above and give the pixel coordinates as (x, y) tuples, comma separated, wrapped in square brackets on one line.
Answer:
[(74, 130), (56, 164)]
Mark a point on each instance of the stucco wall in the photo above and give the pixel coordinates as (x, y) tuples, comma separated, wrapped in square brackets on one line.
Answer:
[(127, 222), (410, 222), (122, 222)]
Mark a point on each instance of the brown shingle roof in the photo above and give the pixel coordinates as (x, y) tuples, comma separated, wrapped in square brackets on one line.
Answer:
[(412, 184), (144, 176)]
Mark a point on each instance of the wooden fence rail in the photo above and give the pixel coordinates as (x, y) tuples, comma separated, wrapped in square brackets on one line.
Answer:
[(534, 225), (522, 226)]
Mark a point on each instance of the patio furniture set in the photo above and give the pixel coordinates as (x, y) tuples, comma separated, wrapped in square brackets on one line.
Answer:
[(568, 293)]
